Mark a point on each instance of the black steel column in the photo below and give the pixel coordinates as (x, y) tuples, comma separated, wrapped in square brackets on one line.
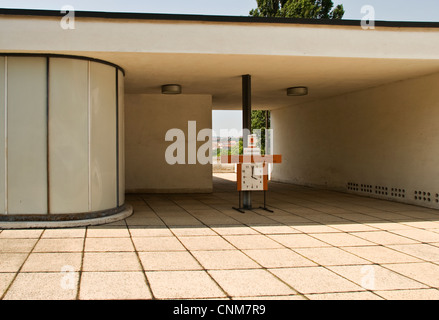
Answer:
[(246, 127)]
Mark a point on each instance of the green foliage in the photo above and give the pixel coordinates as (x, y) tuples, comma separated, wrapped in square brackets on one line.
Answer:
[(308, 9), (259, 122), (268, 8), (258, 119), (237, 149)]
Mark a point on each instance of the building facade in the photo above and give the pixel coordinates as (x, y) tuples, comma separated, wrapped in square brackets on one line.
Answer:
[(83, 119)]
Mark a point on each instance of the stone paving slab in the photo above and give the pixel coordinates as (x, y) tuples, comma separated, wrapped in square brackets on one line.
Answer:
[(316, 245)]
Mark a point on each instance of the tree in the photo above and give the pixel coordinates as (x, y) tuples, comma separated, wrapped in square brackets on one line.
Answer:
[(308, 9), (237, 149), (258, 119), (261, 121), (268, 8)]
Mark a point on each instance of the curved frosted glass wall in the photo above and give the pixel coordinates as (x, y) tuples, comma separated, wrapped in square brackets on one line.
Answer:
[(61, 138)]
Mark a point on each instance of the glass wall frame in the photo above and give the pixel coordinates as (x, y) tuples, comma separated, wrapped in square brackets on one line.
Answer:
[(61, 137)]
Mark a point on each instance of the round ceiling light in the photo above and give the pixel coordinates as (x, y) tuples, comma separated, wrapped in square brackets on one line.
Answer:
[(171, 89), (297, 91)]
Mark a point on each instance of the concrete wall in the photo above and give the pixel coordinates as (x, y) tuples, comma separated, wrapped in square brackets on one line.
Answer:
[(381, 142), (148, 118)]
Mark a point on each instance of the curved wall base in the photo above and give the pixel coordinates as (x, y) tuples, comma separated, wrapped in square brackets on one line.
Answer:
[(113, 216)]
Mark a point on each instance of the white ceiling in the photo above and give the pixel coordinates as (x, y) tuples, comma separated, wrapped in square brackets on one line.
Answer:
[(220, 75)]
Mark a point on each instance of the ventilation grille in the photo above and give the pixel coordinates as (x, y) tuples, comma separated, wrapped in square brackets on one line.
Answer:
[(366, 188), (421, 197), (380, 190), (426, 196), (397, 193), (353, 186)]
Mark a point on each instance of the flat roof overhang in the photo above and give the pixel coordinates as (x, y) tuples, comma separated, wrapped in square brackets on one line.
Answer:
[(208, 54)]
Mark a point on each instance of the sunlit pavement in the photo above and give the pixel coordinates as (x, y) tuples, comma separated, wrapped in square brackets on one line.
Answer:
[(316, 245)]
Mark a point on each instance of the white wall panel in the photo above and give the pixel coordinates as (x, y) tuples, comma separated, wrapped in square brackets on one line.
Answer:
[(121, 138), (2, 134), (103, 153), (27, 135), (68, 136), (384, 138), (146, 167)]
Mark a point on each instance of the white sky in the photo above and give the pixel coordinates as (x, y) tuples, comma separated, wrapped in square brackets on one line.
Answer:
[(391, 10), (403, 10), (226, 120)]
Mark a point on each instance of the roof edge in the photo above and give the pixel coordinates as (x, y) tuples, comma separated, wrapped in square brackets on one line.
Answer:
[(213, 18)]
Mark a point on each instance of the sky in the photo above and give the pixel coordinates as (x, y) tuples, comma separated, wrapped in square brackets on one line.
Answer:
[(393, 10), (222, 120), (390, 10)]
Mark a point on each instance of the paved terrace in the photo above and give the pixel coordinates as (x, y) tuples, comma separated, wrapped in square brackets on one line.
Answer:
[(316, 245)]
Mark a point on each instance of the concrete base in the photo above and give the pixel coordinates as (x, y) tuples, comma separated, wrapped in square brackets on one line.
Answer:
[(67, 224)]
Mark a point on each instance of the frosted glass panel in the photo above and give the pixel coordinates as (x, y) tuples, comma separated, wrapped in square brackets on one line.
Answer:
[(68, 136), (27, 135), (2, 135), (121, 139), (103, 137)]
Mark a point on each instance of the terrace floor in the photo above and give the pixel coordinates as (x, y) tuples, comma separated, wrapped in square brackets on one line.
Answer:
[(317, 244)]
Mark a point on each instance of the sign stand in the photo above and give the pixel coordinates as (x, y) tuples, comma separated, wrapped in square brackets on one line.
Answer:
[(252, 171), (265, 205), (240, 209)]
